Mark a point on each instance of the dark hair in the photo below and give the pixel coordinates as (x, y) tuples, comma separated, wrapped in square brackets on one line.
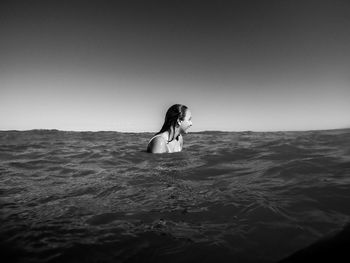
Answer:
[(175, 112)]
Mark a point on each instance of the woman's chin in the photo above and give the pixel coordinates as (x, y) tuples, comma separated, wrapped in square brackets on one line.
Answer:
[(185, 131)]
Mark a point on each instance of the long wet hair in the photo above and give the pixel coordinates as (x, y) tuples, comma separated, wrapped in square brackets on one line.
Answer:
[(175, 112)]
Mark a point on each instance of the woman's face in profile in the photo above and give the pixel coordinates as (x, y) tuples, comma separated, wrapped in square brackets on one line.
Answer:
[(186, 123)]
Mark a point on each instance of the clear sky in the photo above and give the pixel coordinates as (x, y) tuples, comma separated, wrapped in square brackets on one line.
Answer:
[(118, 65)]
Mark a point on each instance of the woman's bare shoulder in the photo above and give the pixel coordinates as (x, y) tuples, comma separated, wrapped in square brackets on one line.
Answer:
[(157, 145)]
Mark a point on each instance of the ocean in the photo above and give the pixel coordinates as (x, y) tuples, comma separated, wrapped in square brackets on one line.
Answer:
[(227, 197)]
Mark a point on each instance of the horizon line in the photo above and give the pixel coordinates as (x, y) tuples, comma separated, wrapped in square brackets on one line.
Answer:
[(203, 131)]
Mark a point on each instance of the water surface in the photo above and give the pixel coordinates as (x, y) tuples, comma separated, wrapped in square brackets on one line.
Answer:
[(228, 197)]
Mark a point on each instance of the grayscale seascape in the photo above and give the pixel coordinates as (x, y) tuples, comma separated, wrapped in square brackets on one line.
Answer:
[(228, 197)]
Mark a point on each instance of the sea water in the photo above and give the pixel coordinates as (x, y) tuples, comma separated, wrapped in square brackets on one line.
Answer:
[(227, 197)]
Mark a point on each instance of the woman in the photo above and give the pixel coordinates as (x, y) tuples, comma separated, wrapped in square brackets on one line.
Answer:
[(178, 120)]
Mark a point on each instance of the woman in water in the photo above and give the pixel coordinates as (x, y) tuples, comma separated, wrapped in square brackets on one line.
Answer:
[(178, 119)]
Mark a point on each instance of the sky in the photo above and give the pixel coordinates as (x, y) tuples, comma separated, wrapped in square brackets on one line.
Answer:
[(119, 65)]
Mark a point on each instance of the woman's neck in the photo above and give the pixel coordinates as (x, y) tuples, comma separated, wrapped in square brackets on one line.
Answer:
[(173, 133)]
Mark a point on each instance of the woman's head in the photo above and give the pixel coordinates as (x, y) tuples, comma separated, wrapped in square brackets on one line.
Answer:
[(177, 116)]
